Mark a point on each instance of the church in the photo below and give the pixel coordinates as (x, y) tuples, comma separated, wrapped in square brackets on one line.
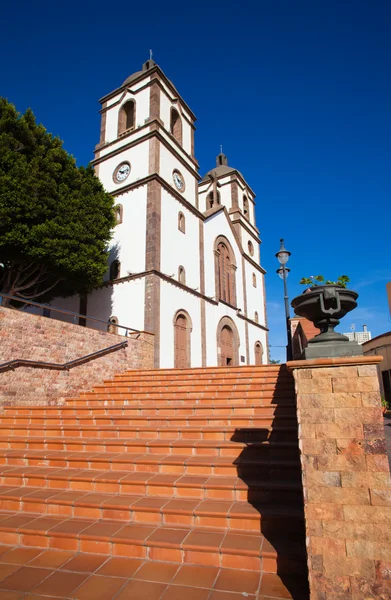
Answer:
[(184, 260)]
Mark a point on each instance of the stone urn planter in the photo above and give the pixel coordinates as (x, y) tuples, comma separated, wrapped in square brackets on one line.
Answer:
[(324, 306)]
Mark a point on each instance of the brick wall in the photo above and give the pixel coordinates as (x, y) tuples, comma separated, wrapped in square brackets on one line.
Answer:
[(346, 478), (33, 337)]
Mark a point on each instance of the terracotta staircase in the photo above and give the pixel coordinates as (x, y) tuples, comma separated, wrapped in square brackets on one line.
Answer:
[(197, 467)]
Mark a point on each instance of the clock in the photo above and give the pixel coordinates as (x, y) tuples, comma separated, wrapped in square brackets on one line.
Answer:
[(121, 172), (178, 180)]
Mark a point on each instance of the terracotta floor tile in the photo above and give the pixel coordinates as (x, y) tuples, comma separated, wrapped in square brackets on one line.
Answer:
[(168, 537), (121, 502), (99, 588), (73, 526), (51, 559), (177, 592), (217, 595), (25, 579), (142, 590), (20, 556), (214, 507), (17, 521), (249, 543), (155, 571), (201, 539), (92, 499), (271, 585), (103, 531), (84, 563), (135, 533), (61, 584), (4, 550), (120, 567), (43, 524), (147, 502), (15, 596), (184, 506), (193, 576), (232, 580), (6, 570), (68, 496)]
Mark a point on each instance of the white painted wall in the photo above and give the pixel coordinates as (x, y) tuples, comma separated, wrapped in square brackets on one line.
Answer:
[(129, 238), (255, 299), (255, 334), (179, 248), (168, 162), (137, 156), (173, 299), (123, 300)]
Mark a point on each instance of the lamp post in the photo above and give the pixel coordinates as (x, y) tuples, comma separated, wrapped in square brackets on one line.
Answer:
[(283, 257)]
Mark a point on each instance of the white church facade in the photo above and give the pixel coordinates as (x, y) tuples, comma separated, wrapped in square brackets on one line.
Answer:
[(185, 255)]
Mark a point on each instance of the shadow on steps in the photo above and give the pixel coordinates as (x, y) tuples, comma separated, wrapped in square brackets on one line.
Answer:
[(269, 465)]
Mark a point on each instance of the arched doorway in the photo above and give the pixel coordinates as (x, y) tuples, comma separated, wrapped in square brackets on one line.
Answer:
[(227, 343), (182, 330), (258, 353), (227, 346)]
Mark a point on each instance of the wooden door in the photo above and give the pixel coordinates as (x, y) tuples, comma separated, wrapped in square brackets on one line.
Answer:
[(227, 347), (258, 353), (181, 352)]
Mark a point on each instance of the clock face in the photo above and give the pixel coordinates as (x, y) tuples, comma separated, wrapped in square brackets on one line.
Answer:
[(122, 172), (178, 180)]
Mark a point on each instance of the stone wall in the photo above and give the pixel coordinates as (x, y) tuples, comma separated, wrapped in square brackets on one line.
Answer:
[(32, 337), (346, 478)]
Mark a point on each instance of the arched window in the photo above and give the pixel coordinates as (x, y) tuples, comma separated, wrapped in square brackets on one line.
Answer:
[(254, 280), (245, 206), (211, 201), (112, 326), (256, 317), (258, 350), (176, 125), (225, 271), (126, 117), (181, 275), (250, 248), (115, 269), (181, 222), (118, 210)]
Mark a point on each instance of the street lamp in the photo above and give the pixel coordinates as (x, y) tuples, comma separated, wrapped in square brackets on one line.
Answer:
[(283, 257)]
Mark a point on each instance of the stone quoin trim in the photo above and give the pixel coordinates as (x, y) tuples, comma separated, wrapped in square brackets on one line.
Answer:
[(234, 192)]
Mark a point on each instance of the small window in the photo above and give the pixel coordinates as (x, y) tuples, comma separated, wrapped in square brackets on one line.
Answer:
[(112, 326), (256, 317), (181, 275), (245, 206), (115, 269), (254, 280), (181, 222), (250, 248), (118, 210), (126, 117), (211, 202), (176, 125)]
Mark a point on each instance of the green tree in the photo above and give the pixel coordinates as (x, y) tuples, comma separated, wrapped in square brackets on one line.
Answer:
[(55, 218)]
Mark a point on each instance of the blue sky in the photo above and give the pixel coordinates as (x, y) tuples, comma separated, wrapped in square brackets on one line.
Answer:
[(297, 91)]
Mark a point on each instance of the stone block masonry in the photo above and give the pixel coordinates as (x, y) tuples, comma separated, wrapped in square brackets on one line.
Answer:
[(27, 336), (346, 478)]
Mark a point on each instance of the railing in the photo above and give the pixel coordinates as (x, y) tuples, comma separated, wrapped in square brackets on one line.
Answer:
[(128, 330), (21, 362)]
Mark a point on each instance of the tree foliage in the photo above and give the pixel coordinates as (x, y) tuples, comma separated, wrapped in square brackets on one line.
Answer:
[(55, 218)]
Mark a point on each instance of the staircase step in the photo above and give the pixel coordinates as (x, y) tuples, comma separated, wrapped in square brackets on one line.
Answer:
[(180, 545), (156, 409), (159, 510)]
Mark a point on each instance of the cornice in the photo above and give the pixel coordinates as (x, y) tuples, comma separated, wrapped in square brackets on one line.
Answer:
[(252, 322), (193, 168)]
